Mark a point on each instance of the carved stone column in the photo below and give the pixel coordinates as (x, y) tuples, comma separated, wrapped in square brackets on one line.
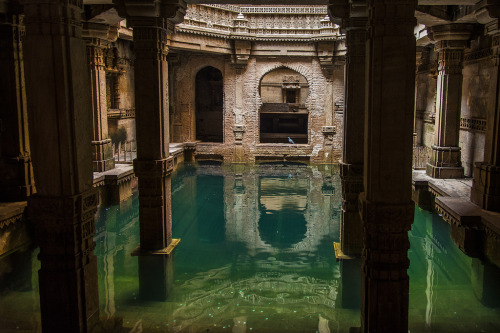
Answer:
[(239, 60), (451, 40), (354, 122), (16, 182), (486, 184), (97, 37), (354, 17), (60, 121), (386, 206), (152, 23)]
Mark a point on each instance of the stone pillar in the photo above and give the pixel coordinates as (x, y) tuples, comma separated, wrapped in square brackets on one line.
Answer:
[(486, 184), (451, 40), (354, 15), (152, 22), (63, 209), (386, 206), (16, 182), (97, 37)]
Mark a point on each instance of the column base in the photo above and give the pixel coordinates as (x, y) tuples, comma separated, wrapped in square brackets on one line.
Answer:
[(156, 272), (64, 230), (485, 190), (444, 172), (350, 284), (445, 163)]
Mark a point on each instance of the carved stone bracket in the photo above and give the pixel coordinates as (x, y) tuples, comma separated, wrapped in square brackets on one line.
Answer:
[(329, 132), (238, 130), (241, 53)]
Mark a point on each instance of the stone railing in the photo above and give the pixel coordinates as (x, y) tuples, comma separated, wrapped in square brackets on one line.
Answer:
[(121, 113), (125, 152), (473, 124)]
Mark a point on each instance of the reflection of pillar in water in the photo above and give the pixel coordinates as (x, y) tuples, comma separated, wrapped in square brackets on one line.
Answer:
[(109, 276), (429, 290), (210, 201), (350, 283), (156, 276), (484, 278)]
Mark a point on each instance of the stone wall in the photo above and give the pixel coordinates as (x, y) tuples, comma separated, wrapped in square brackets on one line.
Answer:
[(126, 78), (425, 104), (241, 107), (478, 99)]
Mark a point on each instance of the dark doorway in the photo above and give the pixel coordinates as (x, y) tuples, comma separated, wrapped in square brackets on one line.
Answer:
[(209, 105)]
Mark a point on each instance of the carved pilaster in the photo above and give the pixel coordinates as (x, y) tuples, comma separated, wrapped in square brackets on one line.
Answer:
[(98, 38), (60, 121), (451, 40), (16, 183)]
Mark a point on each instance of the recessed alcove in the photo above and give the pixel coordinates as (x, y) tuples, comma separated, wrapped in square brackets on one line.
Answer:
[(283, 113)]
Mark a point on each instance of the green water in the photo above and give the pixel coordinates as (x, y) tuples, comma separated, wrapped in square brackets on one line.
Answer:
[(256, 255)]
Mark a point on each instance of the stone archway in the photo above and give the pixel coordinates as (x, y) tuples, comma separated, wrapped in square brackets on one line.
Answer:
[(283, 113)]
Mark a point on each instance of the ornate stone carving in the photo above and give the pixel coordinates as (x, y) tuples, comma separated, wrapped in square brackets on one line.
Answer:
[(473, 124), (238, 132), (258, 22)]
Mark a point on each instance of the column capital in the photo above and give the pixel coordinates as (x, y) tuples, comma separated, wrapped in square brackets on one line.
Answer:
[(451, 36), (352, 13), (489, 15), (53, 18), (97, 34), (145, 13)]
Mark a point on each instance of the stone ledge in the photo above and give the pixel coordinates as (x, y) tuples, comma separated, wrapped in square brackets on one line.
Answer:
[(459, 211), (11, 212)]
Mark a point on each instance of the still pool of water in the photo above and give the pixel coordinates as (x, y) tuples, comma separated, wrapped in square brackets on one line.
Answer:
[(256, 255)]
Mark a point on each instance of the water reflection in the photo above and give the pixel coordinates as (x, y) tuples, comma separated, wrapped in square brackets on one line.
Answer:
[(282, 205), (233, 273)]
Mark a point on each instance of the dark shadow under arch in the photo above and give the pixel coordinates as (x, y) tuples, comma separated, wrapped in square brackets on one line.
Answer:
[(209, 101)]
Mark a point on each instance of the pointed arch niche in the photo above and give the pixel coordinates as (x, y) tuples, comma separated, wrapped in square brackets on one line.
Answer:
[(209, 105), (283, 112)]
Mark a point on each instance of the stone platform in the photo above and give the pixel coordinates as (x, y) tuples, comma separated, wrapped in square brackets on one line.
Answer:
[(475, 231)]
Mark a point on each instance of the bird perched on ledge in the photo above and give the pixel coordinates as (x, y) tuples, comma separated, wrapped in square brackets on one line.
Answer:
[(290, 141)]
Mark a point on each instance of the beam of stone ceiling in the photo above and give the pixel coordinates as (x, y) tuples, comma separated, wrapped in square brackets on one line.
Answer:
[(292, 2)]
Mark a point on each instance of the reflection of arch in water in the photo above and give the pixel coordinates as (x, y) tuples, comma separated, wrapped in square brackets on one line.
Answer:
[(283, 203), (242, 223), (209, 99)]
